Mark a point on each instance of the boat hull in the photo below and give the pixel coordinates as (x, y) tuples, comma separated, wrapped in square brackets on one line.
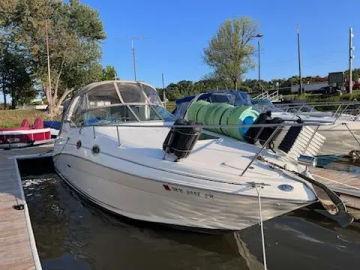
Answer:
[(151, 200), (23, 137)]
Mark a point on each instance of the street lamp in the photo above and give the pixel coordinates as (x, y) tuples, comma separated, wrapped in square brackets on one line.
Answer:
[(259, 36)]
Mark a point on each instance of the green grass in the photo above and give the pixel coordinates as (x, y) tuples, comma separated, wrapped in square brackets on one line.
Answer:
[(325, 98), (13, 118), (319, 98)]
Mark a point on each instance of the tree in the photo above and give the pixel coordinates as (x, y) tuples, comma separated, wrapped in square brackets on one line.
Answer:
[(355, 74), (229, 52), (15, 76), (108, 73), (65, 35)]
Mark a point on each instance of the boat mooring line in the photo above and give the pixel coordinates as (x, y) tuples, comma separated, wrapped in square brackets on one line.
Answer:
[(257, 186), (352, 133)]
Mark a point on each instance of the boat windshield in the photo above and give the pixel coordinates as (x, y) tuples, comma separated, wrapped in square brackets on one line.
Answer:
[(118, 102), (263, 105)]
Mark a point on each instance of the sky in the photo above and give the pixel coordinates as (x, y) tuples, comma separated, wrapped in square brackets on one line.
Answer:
[(171, 35)]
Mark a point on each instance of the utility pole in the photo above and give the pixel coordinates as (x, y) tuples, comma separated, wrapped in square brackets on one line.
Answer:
[(259, 58), (299, 61), (133, 53), (163, 86), (351, 57), (259, 36), (133, 57)]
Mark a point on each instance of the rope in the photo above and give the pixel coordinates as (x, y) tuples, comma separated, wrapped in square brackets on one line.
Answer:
[(261, 226), (352, 133), (257, 186)]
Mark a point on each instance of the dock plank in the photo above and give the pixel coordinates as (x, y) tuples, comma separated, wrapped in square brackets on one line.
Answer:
[(17, 245), (345, 183), (338, 180)]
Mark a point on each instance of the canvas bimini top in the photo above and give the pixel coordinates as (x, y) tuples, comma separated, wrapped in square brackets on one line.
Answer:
[(116, 102)]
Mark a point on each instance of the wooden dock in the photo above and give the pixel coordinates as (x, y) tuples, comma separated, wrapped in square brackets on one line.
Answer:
[(17, 243), (344, 183)]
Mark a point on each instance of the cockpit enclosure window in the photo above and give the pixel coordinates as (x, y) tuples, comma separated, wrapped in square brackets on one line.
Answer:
[(138, 93), (119, 102), (152, 95), (131, 93), (102, 96)]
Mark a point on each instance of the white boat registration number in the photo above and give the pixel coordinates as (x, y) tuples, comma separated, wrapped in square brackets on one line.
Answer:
[(188, 192)]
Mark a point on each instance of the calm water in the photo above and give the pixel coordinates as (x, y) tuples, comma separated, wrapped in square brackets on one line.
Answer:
[(71, 233)]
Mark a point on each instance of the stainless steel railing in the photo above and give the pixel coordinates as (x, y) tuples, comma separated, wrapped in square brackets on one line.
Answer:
[(351, 108), (255, 157)]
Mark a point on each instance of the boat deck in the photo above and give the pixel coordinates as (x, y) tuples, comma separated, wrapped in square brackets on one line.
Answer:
[(345, 183), (17, 244)]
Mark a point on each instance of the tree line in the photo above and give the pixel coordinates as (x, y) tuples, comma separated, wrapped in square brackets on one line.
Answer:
[(51, 47), (187, 88)]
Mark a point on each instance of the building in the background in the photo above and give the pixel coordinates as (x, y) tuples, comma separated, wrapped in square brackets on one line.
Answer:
[(337, 80), (310, 87), (334, 82)]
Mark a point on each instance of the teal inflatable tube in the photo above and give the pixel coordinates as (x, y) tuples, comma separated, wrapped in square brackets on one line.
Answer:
[(234, 120), (243, 115), (223, 114)]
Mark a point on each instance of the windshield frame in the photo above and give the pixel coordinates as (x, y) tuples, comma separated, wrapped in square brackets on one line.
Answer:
[(146, 94), (80, 121)]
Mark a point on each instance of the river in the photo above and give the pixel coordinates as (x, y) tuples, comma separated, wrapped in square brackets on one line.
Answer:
[(72, 233)]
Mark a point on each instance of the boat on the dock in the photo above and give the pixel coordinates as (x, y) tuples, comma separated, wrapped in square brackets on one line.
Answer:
[(121, 149), (25, 135), (339, 113), (344, 118), (343, 113), (332, 120), (54, 127)]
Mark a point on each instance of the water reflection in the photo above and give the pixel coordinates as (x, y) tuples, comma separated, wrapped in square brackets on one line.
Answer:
[(71, 233)]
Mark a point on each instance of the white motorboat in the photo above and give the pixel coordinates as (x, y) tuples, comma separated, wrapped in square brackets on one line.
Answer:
[(346, 113), (345, 122), (110, 149), (342, 122)]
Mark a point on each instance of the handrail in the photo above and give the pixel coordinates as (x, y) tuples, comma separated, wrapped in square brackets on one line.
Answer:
[(325, 103), (262, 149), (269, 139), (226, 126), (169, 125), (350, 108), (269, 94)]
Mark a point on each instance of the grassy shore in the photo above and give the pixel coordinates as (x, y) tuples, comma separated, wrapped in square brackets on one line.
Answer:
[(355, 96), (13, 118)]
